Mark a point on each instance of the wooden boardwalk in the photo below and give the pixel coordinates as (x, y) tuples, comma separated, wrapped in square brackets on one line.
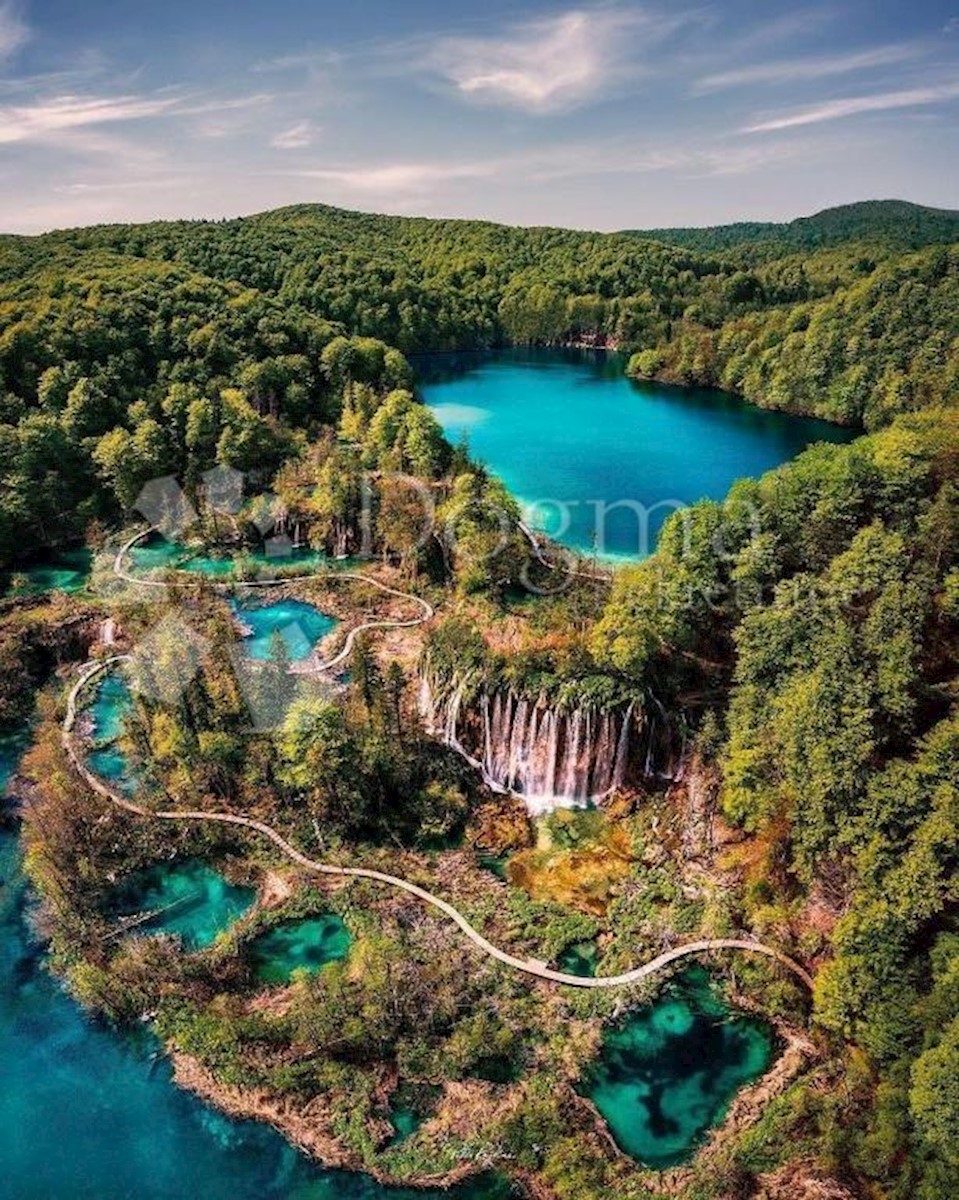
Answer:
[(524, 965)]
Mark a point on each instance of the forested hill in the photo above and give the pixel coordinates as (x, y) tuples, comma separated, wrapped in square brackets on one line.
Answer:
[(894, 223), (111, 336)]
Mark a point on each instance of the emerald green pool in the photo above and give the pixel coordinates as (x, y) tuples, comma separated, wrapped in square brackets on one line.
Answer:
[(158, 554), (67, 571), (405, 1123), (668, 1072), (579, 959), (190, 900), (496, 863), (112, 703), (300, 625), (306, 945)]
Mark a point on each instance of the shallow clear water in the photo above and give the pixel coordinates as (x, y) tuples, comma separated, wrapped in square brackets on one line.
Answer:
[(578, 959), (111, 764), (300, 625), (568, 426), (111, 704), (65, 572), (306, 945), (156, 553), (190, 900), (669, 1071)]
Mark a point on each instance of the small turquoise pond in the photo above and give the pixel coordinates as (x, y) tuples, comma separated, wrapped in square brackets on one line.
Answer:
[(158, 554), (405, 1123), (667, 1073), (300, 625), (112, 703), (568, 426), (306, 945), (110, 707), (578, 959), (189, 899), (67, 571)]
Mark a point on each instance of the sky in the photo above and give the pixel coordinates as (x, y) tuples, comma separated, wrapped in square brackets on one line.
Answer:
[(606, 115)]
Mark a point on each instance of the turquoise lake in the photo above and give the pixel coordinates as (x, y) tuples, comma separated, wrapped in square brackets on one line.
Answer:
[(566, 430), (88, 1114)]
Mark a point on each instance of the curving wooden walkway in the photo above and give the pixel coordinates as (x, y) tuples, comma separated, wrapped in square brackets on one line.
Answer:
[(527, 966), (427, 611)]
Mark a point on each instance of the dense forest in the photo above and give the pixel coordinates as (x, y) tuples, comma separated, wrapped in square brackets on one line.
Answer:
[(889, 222), (838, 748), (172, 345), (805, 631)]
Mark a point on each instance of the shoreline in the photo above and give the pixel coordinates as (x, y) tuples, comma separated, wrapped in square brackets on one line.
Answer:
[(664, 379)]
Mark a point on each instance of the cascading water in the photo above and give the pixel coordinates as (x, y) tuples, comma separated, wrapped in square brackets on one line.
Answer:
[(550, 757)]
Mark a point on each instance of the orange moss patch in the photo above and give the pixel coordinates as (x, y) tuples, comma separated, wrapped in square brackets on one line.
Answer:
[(499, 825), (580, 860)]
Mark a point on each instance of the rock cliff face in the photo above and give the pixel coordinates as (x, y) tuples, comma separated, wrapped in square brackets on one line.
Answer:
[(553, 758)]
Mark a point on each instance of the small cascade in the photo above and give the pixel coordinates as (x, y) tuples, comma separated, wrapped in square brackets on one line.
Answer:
[(551, 757)]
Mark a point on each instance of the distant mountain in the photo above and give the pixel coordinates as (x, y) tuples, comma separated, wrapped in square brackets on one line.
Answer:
[(895, 223)]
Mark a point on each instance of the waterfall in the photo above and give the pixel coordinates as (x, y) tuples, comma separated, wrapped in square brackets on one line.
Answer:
[(551, 757)]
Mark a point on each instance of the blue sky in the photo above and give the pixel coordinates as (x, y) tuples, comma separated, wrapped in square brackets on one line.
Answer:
[(609, 115)]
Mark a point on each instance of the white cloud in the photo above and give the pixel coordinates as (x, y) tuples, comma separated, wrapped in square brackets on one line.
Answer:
[(46, 118), (297, 137), (226, 104), (61, 118), (835, 110), (221, 118), (838, 109), (402, 182), (545, 65), (401, 177), (13, 32), (813, 67)]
